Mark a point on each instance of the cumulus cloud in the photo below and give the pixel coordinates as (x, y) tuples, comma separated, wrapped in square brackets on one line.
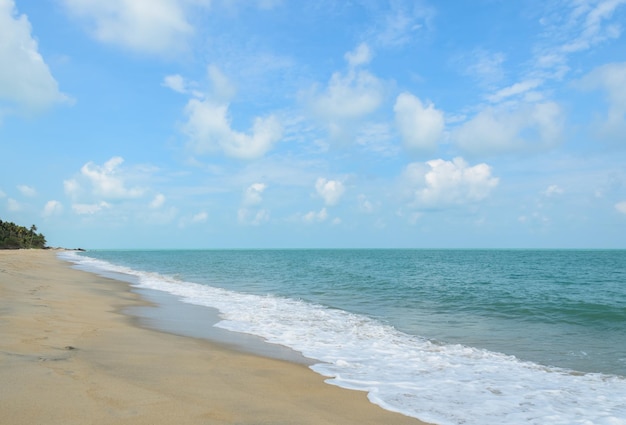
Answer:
[(330, 190), (421, 126), (175, 82), (25, 79), (156, 26), (158, 201), (252, 195), (553, 190), (360, 56), (315, 216), (250, 217), (107, 180), (209, 130), (439, 183), (208, 125), (348, 97), (353, 95), (51, 208), (27, 190), (611, 79), (200, 217), (621, 207), (98, 187), (524, 127)]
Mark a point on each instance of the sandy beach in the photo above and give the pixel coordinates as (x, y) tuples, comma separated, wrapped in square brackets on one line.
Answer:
[(68, 355)]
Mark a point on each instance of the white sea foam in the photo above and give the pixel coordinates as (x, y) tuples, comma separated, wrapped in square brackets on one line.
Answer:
[(443, 384)]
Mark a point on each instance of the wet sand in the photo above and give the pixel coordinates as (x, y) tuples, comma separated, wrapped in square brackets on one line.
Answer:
[(70, 355)]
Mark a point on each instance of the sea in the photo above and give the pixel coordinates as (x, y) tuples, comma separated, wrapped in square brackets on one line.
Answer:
[(446, 336)]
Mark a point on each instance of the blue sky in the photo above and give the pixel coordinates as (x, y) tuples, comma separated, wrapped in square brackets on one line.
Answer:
[(283, 123)]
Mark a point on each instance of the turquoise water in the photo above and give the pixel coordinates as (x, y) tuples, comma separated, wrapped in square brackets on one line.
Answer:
[(518, 329)]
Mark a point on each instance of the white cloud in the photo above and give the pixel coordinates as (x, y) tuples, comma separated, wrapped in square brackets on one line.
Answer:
[(354, 95), (421, 127), (51, 208), (158, 201), (575, 26), (365, 205), (315, 216), (200, 217), (360, 56), (568, 28), (483, 65), (378, 138), (156, 26), (223, 88), (252, 195), (107, 180), (534, 219), (523, 120), (250, 217), (347, 99), (399, 26), (209, 130), (514, 90), (71, 187), (621, 207), (591, 17), (13, 205), (611, 78), (2, 194), (553, 190), (175, 82), (330, 190), (90, 209), (25, 79), (27, 190), (526, 127), (208, 125), (439, 183)]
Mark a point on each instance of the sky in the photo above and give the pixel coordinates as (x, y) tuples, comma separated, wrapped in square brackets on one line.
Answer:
[(314, 124)]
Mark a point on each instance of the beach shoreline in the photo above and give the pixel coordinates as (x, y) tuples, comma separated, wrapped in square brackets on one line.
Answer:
[(71, 353)]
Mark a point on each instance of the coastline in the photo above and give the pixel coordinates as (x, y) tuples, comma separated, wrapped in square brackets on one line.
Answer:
[(167, 313), (72, 352)]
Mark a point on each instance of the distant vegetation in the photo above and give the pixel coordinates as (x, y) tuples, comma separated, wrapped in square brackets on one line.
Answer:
[(13, 236)]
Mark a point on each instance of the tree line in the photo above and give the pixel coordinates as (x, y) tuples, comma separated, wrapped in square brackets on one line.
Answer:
[(13, 236)]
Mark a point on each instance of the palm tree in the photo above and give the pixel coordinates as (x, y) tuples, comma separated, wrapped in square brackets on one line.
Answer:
[(13, 236), (33, 229)]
